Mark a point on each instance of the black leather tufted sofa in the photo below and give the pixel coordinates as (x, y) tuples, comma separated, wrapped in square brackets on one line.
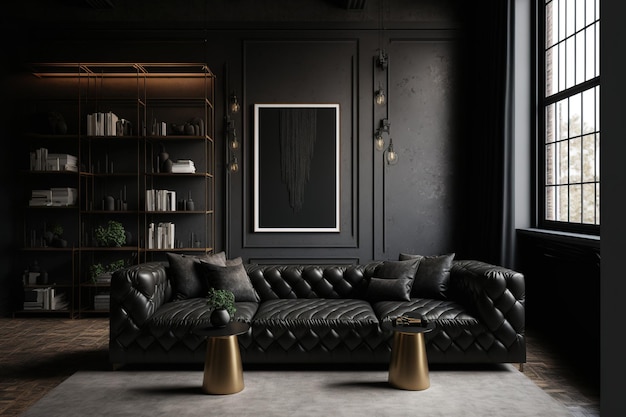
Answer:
[(311, 314)]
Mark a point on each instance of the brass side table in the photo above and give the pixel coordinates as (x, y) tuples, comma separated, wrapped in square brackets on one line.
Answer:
[(408, 368), (223, 373)]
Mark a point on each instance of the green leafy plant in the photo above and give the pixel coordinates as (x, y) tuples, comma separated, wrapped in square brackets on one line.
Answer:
[(57, 230), (225, 299), (111, 234), (98, 269)]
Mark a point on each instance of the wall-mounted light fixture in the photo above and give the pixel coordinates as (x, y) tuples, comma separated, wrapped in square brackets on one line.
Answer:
[(233, 143), (382, 60), (234, 103), (391, 156), (379, 140)]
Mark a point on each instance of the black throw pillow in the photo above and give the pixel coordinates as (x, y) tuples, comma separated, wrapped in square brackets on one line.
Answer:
[(432, 277), (389, 289), (232, 276), (392, 280), (187, 282), (404, 268)]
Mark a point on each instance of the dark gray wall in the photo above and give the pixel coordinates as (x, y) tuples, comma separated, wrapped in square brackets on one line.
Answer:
[(267, 59), (314, 53)]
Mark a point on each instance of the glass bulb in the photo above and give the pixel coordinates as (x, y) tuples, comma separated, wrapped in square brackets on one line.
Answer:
[(392, 156), (234, 144), (234, 105), (380, 97), (379, 142), (234, 166)]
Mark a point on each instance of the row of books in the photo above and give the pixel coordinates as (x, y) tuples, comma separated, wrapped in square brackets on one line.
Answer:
[(42, 160), (160, 200), (103, 124), (161, 235), (57, 196), (44, 299)]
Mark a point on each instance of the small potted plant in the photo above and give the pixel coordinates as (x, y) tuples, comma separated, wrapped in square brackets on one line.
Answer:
[(222, 302), (54, 237), (102, 273), (110, 235)]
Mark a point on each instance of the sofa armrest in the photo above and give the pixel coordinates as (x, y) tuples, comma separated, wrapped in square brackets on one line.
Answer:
[(136, 293), (496, 295)]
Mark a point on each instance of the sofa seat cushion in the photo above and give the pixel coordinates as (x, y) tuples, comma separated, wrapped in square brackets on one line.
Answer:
[(315, 312), (315, 330), (458, 337), (440, 311)]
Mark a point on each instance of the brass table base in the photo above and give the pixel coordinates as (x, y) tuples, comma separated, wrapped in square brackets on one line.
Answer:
[(223, 373), (408, 368)]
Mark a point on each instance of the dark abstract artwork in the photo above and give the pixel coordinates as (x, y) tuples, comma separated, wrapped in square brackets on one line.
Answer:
[(296, 166)]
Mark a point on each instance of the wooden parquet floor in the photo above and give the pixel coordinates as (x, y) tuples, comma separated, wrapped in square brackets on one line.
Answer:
[(37, 354)]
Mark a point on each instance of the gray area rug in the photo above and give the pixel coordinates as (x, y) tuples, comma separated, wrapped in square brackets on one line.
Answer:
[(500, 392)]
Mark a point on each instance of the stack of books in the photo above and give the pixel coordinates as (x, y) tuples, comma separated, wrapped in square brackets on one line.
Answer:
[(39, 198), (61, 162), (64, 196), (101, 301), (44, 299), (183, 166), (60, 196)]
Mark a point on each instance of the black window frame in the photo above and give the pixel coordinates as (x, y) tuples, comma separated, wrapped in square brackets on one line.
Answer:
[(542, 103)]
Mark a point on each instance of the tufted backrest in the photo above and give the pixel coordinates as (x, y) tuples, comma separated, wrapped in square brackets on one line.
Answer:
[(310, 281)]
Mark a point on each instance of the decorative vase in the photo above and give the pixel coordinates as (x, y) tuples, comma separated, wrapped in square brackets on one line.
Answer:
[(109, 203), (163, 157), (167, 166), (220, 317)]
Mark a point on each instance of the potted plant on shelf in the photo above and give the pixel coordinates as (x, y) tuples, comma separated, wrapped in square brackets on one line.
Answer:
[(101, 274), (222, 302), (110, 235), (54, 237)]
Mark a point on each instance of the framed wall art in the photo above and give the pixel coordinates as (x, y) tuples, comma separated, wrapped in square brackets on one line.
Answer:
[(296, 168)]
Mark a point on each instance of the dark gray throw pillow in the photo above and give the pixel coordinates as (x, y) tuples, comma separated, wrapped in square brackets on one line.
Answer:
[(187, 282), (404, 268), (392, 280), (232, 276), (389, 289), (432, 277)]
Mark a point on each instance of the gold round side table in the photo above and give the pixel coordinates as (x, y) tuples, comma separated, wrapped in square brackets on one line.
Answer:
[(223, 373), (408, 368)]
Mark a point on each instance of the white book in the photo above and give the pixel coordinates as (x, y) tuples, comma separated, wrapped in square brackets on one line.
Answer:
[(151, 236), (171, 235)]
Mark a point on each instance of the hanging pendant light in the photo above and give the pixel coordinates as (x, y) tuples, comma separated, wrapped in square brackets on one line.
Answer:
[(234, 103), (234, 165), (380, 95), (392, 156), (234, 143), (379, 141)]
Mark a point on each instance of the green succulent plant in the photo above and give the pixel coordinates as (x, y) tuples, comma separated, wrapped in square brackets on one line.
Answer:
[(225, 299)]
